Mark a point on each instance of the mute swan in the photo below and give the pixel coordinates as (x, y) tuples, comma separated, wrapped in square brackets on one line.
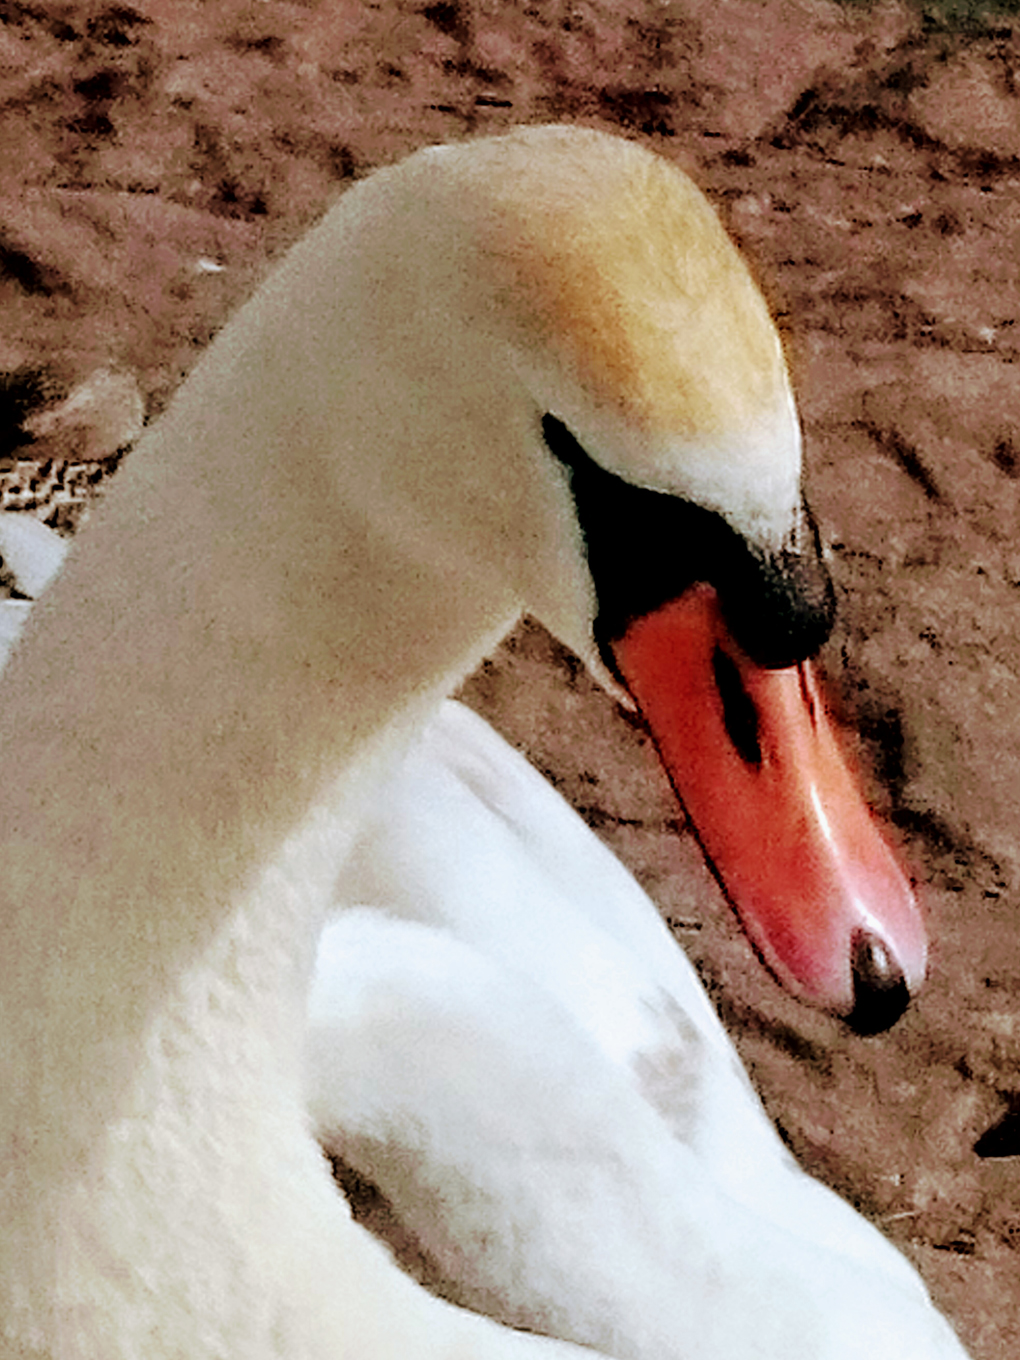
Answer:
[(346, 505)]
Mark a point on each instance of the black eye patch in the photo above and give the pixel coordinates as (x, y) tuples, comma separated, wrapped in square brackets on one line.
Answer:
[(646, 548)]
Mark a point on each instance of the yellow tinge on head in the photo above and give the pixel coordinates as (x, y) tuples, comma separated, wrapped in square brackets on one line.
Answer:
[(616, 265)]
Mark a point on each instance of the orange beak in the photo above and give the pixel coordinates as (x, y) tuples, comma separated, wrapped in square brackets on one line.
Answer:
[(753, 757)]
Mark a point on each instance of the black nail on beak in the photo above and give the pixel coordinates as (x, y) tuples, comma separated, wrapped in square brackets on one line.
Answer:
[(881, 994)]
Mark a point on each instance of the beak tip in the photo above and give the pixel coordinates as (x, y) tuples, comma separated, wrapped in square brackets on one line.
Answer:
[(881, 994)]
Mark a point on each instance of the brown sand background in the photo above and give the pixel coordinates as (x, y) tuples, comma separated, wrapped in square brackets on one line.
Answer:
[(156, 156)]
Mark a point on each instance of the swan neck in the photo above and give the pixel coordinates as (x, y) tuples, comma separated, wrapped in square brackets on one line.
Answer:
[(262, 611)]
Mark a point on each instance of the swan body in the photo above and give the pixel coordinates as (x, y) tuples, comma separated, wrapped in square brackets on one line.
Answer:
[(343, 509), (505, 1039)]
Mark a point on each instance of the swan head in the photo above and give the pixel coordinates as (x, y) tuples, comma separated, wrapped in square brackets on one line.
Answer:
[(658, 404)]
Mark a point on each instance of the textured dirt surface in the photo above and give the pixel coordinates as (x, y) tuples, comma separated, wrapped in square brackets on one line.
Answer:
[(156, 156)]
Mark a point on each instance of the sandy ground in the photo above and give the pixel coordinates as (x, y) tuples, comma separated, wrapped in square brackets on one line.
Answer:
[(156, 156)]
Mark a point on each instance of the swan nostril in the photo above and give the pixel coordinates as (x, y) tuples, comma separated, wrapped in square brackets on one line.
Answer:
[(881, 994), (739, 712), (806, 695)]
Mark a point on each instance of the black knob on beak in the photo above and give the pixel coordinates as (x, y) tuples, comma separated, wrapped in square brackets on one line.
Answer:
[(881, 994)]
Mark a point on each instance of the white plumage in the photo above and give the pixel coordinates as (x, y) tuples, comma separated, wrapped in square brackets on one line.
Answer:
[(243, 665)]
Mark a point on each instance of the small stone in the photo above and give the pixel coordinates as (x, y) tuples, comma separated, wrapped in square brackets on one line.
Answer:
[(101, 416)]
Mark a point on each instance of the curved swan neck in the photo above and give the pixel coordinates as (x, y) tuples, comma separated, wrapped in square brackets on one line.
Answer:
[(261, 605)]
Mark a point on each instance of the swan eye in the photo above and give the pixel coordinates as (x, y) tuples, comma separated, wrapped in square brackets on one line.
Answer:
[(647, 547), (739, 712), (644, 547)]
